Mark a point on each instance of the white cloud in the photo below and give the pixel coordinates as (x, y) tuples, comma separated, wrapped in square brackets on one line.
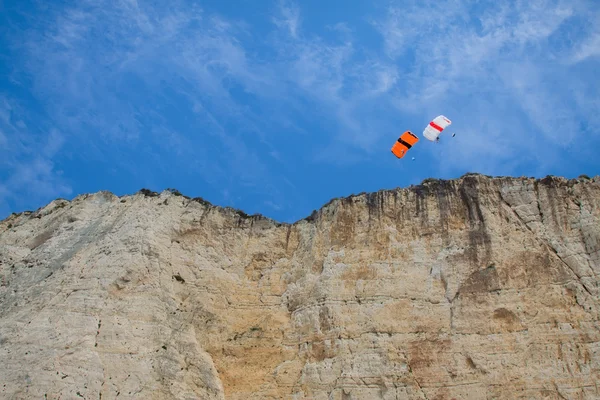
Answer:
[(84, 61), (588, 49), (272, 205), (288, 18), (464, 58), (214, 94), (454, 50), (26, 160), (349, 85), (54, 143)]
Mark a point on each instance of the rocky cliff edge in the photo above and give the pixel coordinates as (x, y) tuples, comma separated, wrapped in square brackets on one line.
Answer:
[(471, 288)]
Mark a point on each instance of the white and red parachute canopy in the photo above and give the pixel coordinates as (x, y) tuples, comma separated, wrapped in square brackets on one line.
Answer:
[(435, 127)]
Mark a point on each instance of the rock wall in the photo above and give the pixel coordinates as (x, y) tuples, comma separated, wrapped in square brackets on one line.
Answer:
[(472, 288)]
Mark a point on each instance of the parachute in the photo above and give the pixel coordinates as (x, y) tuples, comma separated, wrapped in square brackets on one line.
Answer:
[(435, 127), (404, 143), (431, 132)]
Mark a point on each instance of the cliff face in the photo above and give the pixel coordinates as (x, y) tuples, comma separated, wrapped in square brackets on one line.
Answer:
[(466, 289)]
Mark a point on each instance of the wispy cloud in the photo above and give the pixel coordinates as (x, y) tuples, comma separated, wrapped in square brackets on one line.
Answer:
[(127, 75), (589, 49), (483, 65), (348, 85), (288, 17), (29, 175), (247, 105)]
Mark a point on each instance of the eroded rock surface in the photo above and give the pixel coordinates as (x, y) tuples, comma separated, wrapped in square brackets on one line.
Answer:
[(475, 288)]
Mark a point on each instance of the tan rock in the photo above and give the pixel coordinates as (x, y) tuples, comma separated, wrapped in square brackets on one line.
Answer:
[(472, 288)]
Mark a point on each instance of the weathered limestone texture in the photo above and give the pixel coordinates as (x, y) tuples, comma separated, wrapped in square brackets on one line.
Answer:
[(474, 288)]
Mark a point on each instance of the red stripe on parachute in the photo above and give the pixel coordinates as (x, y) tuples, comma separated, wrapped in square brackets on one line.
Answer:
[(436, 126)]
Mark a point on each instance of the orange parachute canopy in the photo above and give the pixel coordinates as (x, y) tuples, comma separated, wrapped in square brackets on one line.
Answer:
[(404, 143)]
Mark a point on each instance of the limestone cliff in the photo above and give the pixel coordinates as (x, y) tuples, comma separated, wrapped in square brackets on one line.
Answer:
[(474, 288)]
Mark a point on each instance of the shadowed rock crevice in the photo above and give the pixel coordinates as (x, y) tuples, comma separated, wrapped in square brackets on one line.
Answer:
[(478, 234)]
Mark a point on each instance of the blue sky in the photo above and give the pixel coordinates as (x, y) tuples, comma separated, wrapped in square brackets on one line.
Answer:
[(278, 106)]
